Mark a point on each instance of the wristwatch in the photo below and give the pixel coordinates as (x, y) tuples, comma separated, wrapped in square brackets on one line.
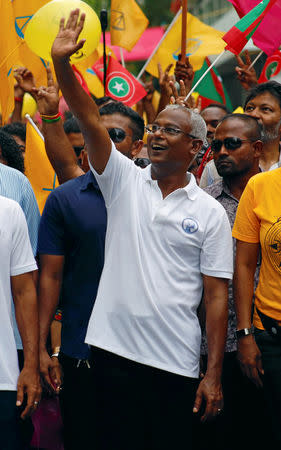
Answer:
[(243, 332)]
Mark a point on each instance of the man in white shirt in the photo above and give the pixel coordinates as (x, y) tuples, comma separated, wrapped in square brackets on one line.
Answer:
[(19, 393), (166, 240)]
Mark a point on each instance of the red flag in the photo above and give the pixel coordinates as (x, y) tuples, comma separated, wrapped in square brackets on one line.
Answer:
[(271, 68), (268, 36), (120, 84), (238, 36)]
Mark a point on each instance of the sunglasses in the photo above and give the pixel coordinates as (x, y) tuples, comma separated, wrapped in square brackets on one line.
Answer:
[(230, 143), (117, 135), (142, 162)]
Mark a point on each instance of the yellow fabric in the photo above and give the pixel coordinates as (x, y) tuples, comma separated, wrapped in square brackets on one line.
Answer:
[(238, 110), (38, 169), (127, 23), (201, 41), (258, 219), (8, 56), (13, 50)]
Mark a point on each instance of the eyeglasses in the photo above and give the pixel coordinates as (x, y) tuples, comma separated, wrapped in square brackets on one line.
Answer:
[(117, 135), (168, 131), (230, 143)]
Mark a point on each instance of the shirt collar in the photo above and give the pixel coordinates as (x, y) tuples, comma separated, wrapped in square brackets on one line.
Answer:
[(89, 180), (191, 188)]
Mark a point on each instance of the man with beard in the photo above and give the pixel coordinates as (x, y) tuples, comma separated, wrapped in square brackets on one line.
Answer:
[(237, 148), (264, 103)]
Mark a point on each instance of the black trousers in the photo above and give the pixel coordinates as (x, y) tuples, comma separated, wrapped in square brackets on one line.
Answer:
[(244, 422), (76, 403), (9, 421), (138, 407)]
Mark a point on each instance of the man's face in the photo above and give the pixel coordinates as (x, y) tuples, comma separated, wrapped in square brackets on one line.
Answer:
[(239, 161), (123, 123), (172, 150), (212, 116), (266, 109)]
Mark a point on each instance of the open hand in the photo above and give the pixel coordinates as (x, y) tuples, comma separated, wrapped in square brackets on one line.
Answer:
[(47, 98), (247, 76), (25, 79), (165, 78), (66, 43)]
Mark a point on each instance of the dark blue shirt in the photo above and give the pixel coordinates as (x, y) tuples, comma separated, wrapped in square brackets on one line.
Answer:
[(73, 224)]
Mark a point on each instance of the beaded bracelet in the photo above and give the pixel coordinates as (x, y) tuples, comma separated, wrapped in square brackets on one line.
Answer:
[(51, 119), (19, 99)]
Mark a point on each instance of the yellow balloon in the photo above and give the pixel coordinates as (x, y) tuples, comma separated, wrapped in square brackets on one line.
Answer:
[(42, 29), (29, 105)]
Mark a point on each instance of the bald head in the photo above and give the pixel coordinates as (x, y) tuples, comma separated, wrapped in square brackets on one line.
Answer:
[(250, 125)]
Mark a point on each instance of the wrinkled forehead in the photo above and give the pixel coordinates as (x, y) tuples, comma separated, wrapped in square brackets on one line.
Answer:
[(179, 118), (210, 114), (266, 98)]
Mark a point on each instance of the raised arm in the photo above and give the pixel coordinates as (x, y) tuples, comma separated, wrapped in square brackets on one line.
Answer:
[(58, 148), (83, 107)]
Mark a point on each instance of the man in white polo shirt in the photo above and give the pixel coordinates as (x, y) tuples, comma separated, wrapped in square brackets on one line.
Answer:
[(166, 241), (19, 393)]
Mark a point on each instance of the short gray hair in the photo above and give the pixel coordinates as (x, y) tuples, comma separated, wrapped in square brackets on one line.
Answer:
[(198, 125)]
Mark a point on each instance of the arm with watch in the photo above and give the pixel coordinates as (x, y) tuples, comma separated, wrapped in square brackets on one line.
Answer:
[(248, 353)]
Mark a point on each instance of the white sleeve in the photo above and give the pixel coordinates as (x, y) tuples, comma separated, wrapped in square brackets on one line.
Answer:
[(116, 175), (22, 259), (216, 259)]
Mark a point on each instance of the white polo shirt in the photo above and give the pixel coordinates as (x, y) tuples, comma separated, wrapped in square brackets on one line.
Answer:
[(16, 257), (156, 251)]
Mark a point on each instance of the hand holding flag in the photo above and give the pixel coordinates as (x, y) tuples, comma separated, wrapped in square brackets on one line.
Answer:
[(245, 73)]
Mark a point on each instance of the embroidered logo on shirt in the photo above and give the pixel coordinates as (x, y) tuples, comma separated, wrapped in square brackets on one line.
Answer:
[(190, 225)]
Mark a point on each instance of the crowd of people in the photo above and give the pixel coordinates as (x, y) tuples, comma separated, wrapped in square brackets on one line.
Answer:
[(119, 303)]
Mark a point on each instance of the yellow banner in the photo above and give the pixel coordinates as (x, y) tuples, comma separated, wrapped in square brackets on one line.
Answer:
[(127, 23), (201, 41), (38, 168)]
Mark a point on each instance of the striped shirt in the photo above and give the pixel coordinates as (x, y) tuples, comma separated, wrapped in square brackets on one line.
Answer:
[(14, 185)]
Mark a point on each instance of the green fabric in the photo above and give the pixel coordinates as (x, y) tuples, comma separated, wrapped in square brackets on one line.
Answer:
[(249, 18), (207, 88)]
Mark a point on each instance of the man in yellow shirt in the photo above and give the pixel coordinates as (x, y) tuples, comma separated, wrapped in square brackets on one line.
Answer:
[(258, 225)]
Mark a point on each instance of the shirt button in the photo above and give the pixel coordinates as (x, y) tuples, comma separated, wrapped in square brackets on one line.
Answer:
[(274, 331)]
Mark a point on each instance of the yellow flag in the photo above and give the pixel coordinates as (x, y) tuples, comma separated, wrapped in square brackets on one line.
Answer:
[(38, 168), (9, 48), (238, 110), (201, 41), (127, 23)]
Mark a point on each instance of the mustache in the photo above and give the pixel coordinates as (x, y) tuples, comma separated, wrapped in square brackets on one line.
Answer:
[(223, 158)]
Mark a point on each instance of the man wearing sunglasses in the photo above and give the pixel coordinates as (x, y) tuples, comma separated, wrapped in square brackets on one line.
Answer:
[(165, 240), (71, 249), (236, 147)]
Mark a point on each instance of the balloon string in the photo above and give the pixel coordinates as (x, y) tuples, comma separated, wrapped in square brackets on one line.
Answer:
[(8, 56)]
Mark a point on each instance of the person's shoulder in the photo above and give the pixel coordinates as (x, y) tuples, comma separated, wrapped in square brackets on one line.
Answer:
[(12, 173), (8, 207), (265, 177), (214, 189)]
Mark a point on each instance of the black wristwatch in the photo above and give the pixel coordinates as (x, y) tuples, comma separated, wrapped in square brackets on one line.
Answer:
[(243, 332)]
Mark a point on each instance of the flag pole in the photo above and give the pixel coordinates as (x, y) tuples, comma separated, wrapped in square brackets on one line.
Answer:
[(204, 74), (122, 57), (27, 116), (255, 60), (183, 30), (158, 45), (103, 21)]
